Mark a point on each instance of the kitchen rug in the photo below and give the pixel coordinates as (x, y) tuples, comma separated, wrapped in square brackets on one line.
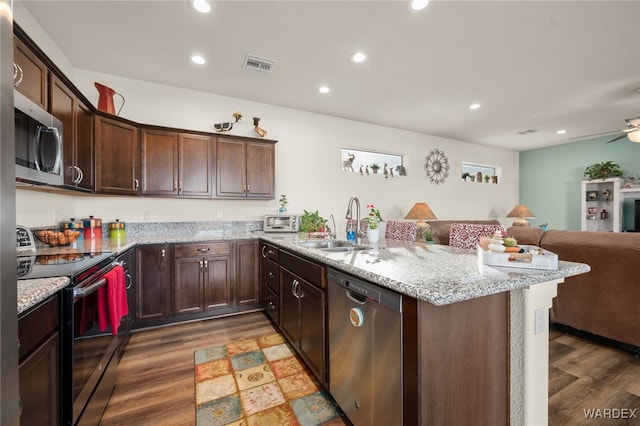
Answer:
[(259, 382)]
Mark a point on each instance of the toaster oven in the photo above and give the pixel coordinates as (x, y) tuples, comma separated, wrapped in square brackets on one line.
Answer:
[(280, 223)]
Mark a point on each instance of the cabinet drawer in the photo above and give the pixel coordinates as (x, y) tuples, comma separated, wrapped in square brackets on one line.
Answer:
[(202, 249), (272, 306), (270, 252), (273, 276), (37, 325), (306, 269)]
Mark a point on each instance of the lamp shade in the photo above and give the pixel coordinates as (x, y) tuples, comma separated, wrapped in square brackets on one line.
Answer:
[(420, 211), (521, 212)]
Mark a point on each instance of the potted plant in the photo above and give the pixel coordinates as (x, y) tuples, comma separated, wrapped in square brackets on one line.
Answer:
[(375, 167), (427, 234), (312, 222), (283, 204), (486, 178), (603, 170)]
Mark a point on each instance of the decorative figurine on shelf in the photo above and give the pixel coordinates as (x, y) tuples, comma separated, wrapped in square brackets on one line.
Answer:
[(631, 182), (367, 170), (347, 165), (261, 132), (237, 116), (605, 195), (283, 204), (391, 171), (223, 127), (385, 171), (361, 171), (401, 170)]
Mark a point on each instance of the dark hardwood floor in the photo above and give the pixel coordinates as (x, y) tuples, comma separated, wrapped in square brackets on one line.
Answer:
[(588, 376), (156, 386)]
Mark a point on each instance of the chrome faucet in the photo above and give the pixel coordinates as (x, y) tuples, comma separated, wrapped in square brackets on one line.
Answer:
[(348, 216)]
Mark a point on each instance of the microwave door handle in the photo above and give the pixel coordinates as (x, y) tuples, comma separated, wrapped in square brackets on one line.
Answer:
[(36, 147), (85, 291)]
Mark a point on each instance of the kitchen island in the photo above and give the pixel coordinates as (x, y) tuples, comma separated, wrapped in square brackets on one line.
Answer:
[(475, 337)]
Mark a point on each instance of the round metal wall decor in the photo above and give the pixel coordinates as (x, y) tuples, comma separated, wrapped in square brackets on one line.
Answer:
[(436, 166)]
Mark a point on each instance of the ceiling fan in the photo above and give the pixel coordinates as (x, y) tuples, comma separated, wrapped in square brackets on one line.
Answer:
[(632, 131)]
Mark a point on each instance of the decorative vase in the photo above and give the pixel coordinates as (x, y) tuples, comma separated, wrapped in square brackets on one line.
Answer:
[(373, 235), (282, 210), (382, 228)]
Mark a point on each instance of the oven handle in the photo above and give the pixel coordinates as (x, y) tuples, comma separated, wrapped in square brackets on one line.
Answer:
[(85, 291)]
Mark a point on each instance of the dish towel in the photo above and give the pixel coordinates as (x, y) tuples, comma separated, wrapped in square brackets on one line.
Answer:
[(112, 300)]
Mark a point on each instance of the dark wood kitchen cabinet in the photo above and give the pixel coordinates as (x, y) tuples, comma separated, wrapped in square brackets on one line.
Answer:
[(77, 134), (303, 310), (33, 73), (247, 291), (153, 280), (176, 164), (245, 168), (117, 156), (39, 368), (203, 277), (270, 281)]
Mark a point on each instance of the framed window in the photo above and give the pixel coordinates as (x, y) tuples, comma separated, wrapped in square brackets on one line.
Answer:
[(371, 162), (471, 172)]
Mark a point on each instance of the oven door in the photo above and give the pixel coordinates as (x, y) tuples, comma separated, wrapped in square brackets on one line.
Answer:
[(88, 353)]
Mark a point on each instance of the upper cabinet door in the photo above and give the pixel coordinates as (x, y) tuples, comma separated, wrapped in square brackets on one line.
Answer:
[(196, 168), (260, 170), (33, 73), (117, 156), (159, 165), (231, 175)]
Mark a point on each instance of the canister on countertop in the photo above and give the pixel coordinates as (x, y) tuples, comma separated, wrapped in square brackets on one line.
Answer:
[(92, 228), (117, 230)]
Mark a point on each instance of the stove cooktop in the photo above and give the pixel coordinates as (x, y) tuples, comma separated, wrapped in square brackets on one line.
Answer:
[(57, 265)]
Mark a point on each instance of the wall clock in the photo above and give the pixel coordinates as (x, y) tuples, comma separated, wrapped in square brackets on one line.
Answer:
[(436, 166)]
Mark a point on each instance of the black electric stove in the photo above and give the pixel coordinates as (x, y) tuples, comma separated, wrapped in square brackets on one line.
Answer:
[(73, 265)]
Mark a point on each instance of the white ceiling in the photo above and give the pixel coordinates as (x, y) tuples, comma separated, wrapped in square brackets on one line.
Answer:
[(543, 65)]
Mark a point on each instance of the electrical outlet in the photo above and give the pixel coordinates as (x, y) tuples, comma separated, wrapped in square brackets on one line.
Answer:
[(220, 215), (539, 321)]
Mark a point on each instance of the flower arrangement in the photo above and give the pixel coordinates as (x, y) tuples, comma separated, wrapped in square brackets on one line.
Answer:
[(374, 217)]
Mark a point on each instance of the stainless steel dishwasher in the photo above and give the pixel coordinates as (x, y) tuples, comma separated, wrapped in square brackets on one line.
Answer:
[(365, 350)]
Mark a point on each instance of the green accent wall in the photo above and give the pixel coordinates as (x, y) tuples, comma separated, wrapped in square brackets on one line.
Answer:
[(550, 178)]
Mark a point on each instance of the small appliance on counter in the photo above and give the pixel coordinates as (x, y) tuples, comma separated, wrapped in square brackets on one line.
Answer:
[(281, 223)]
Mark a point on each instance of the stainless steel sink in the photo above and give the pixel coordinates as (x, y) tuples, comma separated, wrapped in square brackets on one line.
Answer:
[(323, 244), (346, 248), (332, 245)]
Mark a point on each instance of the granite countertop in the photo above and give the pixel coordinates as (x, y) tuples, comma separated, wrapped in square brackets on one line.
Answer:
[(32, 292), (434, 273)]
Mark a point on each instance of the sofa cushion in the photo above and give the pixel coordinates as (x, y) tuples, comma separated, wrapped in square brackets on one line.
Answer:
[(440, 229), (526, 235), (467, 235)]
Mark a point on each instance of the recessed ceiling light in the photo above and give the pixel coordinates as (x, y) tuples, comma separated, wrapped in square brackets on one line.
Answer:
[(324, 89), (474, 106), (201, 6), (358, 57), (561, 132), (197, 59), (418, 4)]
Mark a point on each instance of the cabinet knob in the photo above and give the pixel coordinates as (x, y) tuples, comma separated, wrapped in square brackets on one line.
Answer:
[(163, 253), (270, 274)]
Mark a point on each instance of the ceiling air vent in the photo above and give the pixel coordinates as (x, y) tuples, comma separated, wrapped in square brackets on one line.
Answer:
[(258, 64), (526, 132)]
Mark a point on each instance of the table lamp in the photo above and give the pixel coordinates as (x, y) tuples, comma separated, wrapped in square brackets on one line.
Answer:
[(420, 212), (522, 213)]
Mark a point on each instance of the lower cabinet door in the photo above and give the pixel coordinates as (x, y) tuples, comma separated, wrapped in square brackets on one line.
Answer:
[(40, 385), (312, 329), (188, 285), (272, 306), (217, 288), (289, 307)]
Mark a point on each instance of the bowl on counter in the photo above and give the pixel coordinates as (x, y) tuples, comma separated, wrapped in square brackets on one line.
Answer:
[(56, 237)]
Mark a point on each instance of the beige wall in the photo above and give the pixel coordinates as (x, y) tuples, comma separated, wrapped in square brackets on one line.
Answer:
[(307, 162)]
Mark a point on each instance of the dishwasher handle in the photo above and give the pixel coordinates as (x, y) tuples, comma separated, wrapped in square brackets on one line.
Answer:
[(355, 297)]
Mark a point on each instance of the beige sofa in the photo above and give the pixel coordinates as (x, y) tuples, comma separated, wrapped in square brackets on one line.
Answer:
[(605, 302)]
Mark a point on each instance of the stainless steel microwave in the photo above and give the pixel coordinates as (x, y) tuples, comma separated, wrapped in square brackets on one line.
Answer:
[(281, 223), (38, 137)]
